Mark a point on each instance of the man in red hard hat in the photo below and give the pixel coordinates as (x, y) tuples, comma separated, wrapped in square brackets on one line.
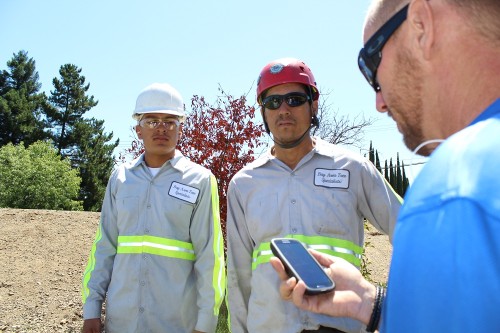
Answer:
[(303, 188)]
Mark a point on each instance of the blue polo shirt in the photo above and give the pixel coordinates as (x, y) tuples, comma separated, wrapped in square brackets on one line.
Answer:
[(445, 270)]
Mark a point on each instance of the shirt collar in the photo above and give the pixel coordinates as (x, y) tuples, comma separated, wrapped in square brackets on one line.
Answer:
[(178, 161), (490, 111), (321, 147)]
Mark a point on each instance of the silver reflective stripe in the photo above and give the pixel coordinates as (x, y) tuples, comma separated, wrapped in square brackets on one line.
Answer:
[(334, 249), (156, 245), (262, 253)]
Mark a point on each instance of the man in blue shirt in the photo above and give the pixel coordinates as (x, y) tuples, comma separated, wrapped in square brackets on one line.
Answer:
[(435, 68)]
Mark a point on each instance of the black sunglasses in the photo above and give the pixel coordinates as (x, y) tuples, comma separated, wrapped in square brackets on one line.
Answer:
[(292, 99), (371, 54)]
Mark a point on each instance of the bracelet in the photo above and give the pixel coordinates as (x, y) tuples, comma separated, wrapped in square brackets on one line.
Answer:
[(377, 310)]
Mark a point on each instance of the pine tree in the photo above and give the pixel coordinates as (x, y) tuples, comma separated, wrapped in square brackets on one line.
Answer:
[(21, 102), (94, 159), (82, 140), (69, 103)]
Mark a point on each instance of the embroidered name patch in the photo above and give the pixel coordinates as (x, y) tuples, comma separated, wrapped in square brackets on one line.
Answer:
[(184, 192), (335, 178)]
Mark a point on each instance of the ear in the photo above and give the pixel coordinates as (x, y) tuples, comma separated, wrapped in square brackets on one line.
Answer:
[(422, 24), (315, 107), (263, 114), (179, 133), (138, 131)]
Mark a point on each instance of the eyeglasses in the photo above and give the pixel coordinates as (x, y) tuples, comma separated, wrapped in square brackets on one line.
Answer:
[(170, 124), (371, 54), (292, 99)]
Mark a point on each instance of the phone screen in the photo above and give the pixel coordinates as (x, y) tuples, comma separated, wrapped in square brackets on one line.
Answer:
[(301, 264)]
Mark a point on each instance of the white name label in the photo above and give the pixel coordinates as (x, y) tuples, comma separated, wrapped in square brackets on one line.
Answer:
[(184, 192), (335, 178)]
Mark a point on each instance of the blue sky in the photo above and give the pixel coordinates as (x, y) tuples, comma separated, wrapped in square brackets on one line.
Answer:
[(195, 45)]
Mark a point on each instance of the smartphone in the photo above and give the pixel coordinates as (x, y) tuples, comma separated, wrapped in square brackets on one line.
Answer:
[(300, 264)]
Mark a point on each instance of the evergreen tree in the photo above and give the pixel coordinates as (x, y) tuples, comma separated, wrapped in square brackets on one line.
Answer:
[(406, 181), (21, 103), (94, 160), (377, 162), (371, 154), (399, 176), (392, 176), (69, 103), (81, 140)]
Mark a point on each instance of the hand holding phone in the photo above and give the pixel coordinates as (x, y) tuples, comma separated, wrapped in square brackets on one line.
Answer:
[(300, 264)]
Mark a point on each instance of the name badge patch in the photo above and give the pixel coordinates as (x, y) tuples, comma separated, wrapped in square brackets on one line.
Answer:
[(334, 178), (184, 192)]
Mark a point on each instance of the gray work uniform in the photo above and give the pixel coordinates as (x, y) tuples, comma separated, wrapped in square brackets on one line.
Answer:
[(322, 202), (158, 256)]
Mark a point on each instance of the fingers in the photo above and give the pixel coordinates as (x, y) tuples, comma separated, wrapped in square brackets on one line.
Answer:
[(298, 294), (324, 259), (287, 283), (279, 268)]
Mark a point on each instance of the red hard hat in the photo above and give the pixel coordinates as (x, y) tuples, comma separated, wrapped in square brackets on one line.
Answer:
[(286, 70)]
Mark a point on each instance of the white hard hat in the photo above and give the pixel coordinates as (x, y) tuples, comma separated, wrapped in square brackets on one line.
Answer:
[(159, 98)]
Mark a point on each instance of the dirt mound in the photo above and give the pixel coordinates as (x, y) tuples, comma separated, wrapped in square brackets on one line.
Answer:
[(43, 255)]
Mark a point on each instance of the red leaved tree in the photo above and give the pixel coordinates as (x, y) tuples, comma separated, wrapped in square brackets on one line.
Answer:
[(222, 137)]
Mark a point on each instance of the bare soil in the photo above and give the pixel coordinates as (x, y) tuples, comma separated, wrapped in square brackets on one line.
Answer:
[(42, 257)]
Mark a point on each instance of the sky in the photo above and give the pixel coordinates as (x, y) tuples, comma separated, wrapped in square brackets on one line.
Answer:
[(197, 46)]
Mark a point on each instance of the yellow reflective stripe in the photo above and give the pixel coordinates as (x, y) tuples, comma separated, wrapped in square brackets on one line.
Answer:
[(90, 265), (333, 246), (219, 272), (261, 254), (155, 245)]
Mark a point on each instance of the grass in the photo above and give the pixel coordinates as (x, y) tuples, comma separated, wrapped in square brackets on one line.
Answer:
[(222, 326)]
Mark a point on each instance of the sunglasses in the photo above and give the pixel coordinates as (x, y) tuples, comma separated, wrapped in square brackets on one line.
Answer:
[(371, 54), (170, 124), (292, 99)]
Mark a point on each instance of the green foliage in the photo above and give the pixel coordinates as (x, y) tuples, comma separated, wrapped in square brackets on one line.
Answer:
[(394, 174), (20, 103), (37, 178), (28, 116), (68, 104), (81, 140), (94, 160), (222, 323)]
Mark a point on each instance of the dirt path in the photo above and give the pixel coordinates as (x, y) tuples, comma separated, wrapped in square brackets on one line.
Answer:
[(42, 257)]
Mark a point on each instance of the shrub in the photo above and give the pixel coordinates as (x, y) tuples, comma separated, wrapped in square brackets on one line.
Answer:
[(37, 178)]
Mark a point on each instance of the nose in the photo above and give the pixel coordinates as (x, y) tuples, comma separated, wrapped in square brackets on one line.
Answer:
[(284, 108), (380, 102)]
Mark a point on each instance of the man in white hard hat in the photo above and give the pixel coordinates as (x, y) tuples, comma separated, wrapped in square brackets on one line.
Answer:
[(158, 257)]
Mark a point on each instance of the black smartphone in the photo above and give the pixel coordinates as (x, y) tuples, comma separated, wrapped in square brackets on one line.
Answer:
[(300, 264)]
